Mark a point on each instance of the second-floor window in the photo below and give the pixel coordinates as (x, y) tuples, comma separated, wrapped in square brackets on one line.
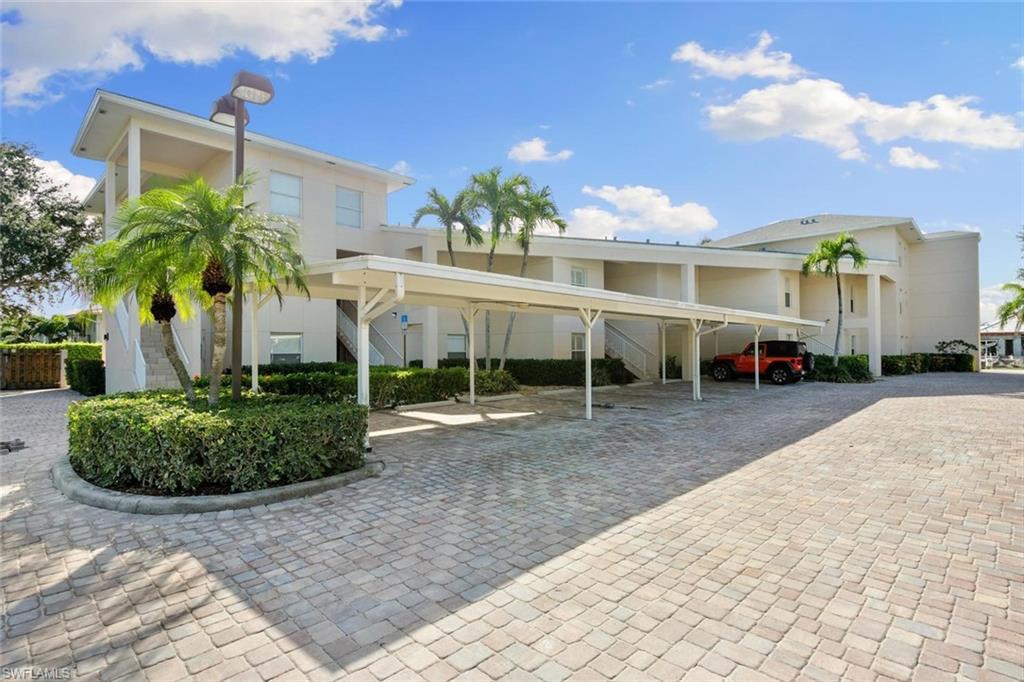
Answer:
[(285, 194), (348, 207), (788, 294), (578, 277)]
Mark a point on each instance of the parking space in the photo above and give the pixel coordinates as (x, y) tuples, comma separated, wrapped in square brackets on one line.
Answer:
[(808, 531)]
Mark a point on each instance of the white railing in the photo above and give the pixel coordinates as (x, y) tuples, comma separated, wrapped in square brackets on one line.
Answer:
[(121, 316), (349, 333), (620, 345), (380, 342), (140, 367), (824, 348), (179, 345)]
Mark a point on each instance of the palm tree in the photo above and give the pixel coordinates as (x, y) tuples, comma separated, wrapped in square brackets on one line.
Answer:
[(232, 240), (536, 209), (452, 215), (109, 271), (501, 198), (824, 259), (1013, 309)]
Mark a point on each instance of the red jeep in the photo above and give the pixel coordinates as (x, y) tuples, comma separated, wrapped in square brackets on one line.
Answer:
[(781, 362)]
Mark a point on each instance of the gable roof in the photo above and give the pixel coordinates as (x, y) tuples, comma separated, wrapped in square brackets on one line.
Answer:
[(815, 226)]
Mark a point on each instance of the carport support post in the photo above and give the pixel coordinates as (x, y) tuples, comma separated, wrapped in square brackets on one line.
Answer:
[(661, 328), (588, 318), (695, 350), (363, 351), (470, 314), (757, 357)]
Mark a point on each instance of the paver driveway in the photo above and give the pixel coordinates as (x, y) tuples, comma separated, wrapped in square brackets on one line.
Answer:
[(810, 531)]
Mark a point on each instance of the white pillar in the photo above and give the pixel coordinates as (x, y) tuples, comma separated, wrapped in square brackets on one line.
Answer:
[(430, 333), (363, 351), (134, 159), (695, 357), (587, 324), (757, 357), (254, 347), (110, 196), (470, 315), (875, 324), (661, 328), (688, 277)]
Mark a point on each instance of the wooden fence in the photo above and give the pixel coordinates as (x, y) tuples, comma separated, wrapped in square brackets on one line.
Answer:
[(30, 368)]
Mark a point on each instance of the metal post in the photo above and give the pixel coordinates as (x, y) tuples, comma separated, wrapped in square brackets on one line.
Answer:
[(471, 333), (362, 351), (254, 350), (587, 324), (236, 303), (757, 357), (664, 375), (695, 326)]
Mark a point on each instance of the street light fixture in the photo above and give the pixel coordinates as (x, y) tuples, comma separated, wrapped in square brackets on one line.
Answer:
[(230, 110)]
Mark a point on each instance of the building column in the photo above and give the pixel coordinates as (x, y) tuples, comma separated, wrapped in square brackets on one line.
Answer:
[(134, 159), (431, 326), (875, 324), (688, 279)]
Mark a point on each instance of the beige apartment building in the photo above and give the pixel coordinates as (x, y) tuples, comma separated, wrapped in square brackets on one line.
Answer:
[(917, 288)]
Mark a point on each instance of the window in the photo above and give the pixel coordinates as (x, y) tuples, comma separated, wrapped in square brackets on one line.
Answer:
[(579, 277), (285, 194), (348, 207), (578, 347), (787, 295), (285, 347), (456, 347), (853, 344), (851, 303)]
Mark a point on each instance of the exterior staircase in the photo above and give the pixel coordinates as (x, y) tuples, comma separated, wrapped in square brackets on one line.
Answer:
[(382, 352), (159, 373), (618, 344)]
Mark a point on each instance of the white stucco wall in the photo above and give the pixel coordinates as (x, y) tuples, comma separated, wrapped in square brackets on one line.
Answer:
[(943, 287)]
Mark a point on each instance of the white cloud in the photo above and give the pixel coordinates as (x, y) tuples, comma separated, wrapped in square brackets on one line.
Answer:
[(906, 157), (402, 167), (51, 46), (78, 186), (941, 119), (660, 83), (1018, 64), (757, 61), (821, 111), (818, 110), (630, 103), (991, 298), (638, 209), (536, 149)]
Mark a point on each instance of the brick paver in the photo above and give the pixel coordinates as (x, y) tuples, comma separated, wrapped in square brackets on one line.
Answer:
[(810, 531)]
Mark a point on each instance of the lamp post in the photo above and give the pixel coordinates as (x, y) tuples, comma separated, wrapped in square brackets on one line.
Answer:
[(230, 110)]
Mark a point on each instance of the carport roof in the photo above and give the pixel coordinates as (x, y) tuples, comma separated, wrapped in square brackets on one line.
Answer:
[(419, 283)]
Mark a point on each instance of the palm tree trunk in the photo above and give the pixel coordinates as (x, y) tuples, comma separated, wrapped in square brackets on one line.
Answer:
[(839, 324), (220, 347), (487, 315), (171, 351), (512, 316), (451, 260)]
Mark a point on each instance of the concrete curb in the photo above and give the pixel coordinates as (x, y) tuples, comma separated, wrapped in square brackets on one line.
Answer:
[(424, 406), (78, 489), (492, 398)]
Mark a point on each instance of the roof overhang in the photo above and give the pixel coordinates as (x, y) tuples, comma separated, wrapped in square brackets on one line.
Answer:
[(441, 285), (108, 115)]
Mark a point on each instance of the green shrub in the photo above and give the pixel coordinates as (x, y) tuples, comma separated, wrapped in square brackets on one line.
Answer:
[(673, 370), (852, 369), (156, 442), (951, 362), (305, 368), (387, 388), (494, 382), (555, 372), (87, 376), (920, 361), (76, 350)]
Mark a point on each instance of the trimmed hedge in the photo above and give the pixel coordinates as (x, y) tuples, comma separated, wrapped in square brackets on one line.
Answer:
[(85, 375), (387, 389), (915, 363), (76, 350), (558, 372), (154, 442), (852, 369)]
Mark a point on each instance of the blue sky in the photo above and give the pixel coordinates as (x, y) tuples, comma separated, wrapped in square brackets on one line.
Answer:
[(669, 121)]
